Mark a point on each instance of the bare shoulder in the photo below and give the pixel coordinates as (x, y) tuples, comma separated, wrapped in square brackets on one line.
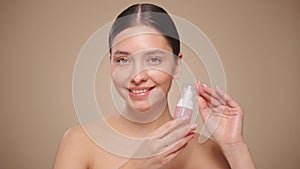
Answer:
[(206, 155), (75, 133), (75, 150)]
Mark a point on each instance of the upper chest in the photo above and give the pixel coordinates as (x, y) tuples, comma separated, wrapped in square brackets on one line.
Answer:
[(185, 160)]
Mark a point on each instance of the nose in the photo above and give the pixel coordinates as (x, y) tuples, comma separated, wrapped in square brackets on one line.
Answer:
[(139, 77)]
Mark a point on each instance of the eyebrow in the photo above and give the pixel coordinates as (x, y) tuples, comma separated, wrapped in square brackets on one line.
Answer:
[(150, 52), (118, 52), (154, 52)]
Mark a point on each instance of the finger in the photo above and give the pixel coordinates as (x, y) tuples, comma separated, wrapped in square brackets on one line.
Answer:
[(221, 96), (229, 101), (203, 108), (198, 86), (205, 104), (208, 94), (210, 97), (176, 135), (217, 97), (173, 155), (168, 127), (177, 146), (202, 103)]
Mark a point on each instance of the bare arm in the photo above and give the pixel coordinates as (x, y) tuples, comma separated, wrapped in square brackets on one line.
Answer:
[(225, 124), (238, 156)]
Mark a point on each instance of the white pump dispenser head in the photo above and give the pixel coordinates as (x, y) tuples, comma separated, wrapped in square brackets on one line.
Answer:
[(187, 100)]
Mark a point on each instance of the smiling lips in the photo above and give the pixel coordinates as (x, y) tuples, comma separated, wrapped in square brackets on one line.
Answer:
[(139, 91)]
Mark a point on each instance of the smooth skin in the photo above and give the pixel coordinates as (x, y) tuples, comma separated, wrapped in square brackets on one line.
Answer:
[(229, 132), (172, 139)]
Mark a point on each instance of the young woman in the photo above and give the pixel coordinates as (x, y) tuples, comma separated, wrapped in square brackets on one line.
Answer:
[(145, 58)]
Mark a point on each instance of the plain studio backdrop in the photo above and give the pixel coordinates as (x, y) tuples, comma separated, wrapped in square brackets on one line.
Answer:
[(258, 42)]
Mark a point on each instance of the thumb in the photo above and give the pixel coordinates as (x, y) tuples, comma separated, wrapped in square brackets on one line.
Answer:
[(203, 108)]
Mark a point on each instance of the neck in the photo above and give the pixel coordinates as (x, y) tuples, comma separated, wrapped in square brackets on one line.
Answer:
[(133, 128)]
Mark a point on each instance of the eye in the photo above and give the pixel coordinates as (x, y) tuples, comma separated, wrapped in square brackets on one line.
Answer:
[(122, 61), (154, 60)]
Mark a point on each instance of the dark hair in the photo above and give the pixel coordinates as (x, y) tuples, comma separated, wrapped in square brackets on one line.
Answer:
[(150, 15)]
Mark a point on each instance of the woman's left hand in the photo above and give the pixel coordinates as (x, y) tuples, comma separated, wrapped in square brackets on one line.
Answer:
[(225, 121)]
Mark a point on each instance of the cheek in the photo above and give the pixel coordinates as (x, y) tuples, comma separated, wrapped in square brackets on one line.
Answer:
[(161, 78), (168, 66), (119, 76)]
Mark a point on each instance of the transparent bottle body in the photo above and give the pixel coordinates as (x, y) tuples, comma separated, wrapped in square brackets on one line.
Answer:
[(180, 112)]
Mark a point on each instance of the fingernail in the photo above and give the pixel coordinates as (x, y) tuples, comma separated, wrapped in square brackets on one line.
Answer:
[(194, 126), (191, 135), (204, 85)]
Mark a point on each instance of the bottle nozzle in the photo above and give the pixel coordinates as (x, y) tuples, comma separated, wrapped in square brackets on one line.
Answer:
[(188, 96)]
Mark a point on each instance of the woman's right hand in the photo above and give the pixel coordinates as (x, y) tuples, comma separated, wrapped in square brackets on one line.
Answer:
[(162, 145)]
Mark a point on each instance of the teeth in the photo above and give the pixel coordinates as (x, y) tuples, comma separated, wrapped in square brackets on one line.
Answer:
[(139, 91)]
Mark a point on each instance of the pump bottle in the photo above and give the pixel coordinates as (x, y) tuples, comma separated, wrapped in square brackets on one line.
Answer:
[(186, 103)]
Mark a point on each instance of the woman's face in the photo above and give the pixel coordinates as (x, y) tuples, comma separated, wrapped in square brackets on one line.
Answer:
[(142, 65)]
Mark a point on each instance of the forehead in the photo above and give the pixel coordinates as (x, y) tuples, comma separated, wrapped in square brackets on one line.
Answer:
[(140, 38)]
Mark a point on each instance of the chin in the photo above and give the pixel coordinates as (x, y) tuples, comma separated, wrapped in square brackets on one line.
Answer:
[(141, 108)]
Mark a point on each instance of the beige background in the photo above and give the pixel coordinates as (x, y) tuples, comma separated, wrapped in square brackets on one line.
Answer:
[(258, 42)]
